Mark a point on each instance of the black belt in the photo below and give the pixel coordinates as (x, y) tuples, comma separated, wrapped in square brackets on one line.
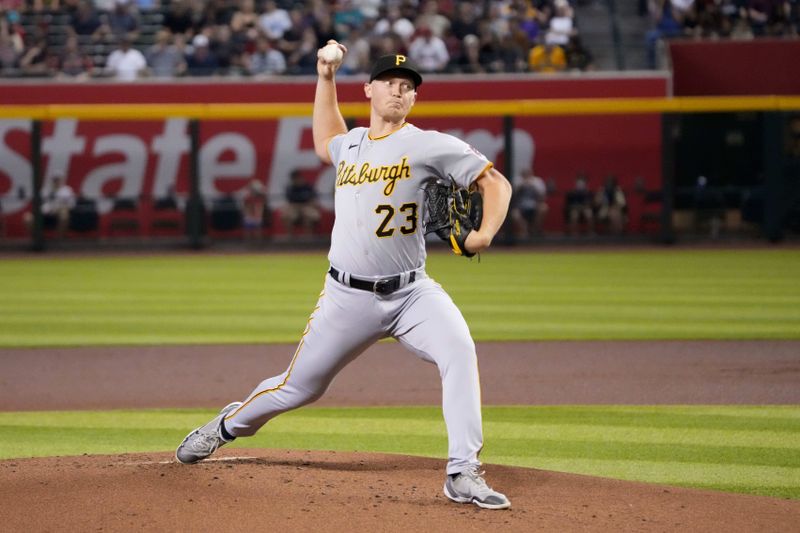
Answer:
[(381, 286)]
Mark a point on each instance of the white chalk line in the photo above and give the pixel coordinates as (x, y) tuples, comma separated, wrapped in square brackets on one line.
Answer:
[(171, 461)]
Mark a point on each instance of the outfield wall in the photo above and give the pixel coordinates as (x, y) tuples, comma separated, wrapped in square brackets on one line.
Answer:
[(763, 66), (145, 159)]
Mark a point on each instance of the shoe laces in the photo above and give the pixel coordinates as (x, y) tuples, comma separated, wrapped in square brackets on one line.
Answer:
[(476, 475)]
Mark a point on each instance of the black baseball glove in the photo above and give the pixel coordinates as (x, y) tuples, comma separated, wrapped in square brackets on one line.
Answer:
[(452, 212)]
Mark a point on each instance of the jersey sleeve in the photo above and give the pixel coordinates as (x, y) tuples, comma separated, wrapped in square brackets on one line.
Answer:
[(450, 156), (334, 147)]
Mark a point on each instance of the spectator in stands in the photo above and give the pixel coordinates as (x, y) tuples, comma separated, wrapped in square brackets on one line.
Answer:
[(201, 61), (428, 51), (126, 63), (147, 5), (45, 5), (561, 24), (275, 21), (389, 43), (290, 42), (164, 58), (612, 207), (86, 23), (529, 204), (9, 6), (123, 22), (468, 61), (512, 56), (304, 59), (497, 20), (357, 59), (794, 17), (578, 57), (347, 13), (37, 60), (9, 54), (57, 202), (491, 54), (217, 13), (668, 24), (245, 19), (769, 17), (301, 208), (369, 8), (528, 22), (758, 13), (465, 20), (505, 29), (324, 27), (180, 18), (578, 207), (73, 63), (229, 52), (741, 29), (266, 60), (686, 8), (432, 19), (729, 14), (103, 6), (254, 205), (11, 25), (395, 22), (547, 57), (709, 18)]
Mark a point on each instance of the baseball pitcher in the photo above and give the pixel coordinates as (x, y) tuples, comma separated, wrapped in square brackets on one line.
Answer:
[(394, 183)]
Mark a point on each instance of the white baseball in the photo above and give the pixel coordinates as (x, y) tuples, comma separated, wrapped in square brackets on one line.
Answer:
[(332, 54)]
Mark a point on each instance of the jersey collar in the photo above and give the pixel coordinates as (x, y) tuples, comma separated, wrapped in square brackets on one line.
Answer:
[(371, 138)]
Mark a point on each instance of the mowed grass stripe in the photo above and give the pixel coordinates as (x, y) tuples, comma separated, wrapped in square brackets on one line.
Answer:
[(599, 435), (759, 419), (507, 451), (640, 294), (676, 445), (765, 481)]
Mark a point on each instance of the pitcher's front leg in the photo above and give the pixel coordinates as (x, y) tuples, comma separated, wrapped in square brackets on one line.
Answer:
[(432, 327)]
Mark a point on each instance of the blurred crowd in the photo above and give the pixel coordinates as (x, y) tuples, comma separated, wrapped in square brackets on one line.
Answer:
[(129, 39), (740, 19), (720, 19)]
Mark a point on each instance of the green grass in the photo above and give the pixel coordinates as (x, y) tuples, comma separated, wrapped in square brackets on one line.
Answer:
[(740, 449), (653, 294), (192, 299)]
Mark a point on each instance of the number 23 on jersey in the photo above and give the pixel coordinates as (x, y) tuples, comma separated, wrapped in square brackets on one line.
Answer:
[(387, 211)]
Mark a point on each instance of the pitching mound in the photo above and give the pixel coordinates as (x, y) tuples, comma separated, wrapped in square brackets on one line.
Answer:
[(256, 490)]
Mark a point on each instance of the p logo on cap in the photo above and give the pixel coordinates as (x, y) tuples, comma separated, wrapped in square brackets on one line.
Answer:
[(391, 62)]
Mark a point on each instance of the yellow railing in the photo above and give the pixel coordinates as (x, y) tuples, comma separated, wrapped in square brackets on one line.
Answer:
[(483, 108)]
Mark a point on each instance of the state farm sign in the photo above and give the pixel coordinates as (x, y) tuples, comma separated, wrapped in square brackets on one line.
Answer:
[(131, 159)]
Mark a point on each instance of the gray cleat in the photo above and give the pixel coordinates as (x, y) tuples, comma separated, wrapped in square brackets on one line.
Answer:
[(470, 487), (204, 440)]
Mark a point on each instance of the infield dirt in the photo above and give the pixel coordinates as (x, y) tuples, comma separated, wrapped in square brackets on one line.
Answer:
[(257, 490)]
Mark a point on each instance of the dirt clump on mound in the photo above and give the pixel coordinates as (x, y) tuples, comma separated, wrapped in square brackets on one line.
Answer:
[(332, 491)]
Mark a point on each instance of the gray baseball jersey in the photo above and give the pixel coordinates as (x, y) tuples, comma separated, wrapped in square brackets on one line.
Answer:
[(378, 235), (379, 196)]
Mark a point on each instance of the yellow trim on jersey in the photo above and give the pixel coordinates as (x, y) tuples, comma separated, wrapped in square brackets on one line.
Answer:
[(291, 365), (371, 138), (327, 147), (482, 172)]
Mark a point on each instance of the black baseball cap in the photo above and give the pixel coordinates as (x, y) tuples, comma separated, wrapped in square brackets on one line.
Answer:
[(396, 62)]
